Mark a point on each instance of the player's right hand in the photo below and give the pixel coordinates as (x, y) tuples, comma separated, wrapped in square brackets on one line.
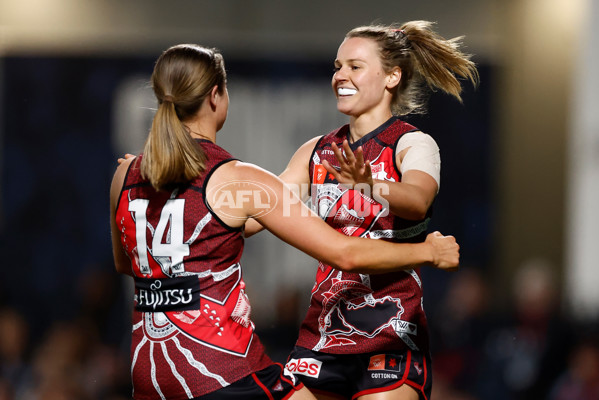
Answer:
[(127, 156), (446, 251)]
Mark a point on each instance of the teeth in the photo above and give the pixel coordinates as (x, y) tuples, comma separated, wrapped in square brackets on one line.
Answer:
[(346, 91)]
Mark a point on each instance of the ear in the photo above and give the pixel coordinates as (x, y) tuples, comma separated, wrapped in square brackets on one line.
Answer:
[(215, 97), (393, 78)]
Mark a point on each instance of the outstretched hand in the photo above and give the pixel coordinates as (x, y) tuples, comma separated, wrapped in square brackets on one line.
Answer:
[(446, 251), (125, 158), (353, 169)]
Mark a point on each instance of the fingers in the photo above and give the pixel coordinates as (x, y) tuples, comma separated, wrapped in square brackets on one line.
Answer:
[(352, 168), (449, 238), (331, 170), (368, 170), (360, 156), (348, 157), (349, 154), (338, 154), (127, 156), (446, 251)]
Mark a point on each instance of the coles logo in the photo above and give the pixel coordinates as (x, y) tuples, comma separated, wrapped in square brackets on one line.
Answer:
[(304, 366)]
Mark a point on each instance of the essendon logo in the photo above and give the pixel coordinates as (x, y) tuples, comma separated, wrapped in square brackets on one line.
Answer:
[(384, 362), (304, 366), (379, 172)]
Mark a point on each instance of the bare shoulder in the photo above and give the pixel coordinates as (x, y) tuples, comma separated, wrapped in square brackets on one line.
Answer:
[(238, 190), (307, 148), (124, 166), (119, 178), (297, 169), (238, 170)]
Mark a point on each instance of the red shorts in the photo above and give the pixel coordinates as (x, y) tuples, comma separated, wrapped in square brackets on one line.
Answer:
[(271, 383), (355, 375)]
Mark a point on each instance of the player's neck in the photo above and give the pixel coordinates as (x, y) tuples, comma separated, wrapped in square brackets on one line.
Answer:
[(365, 123), (201, 131)]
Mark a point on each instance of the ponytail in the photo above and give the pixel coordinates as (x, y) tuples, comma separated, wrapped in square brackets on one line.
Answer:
[(183, 77), (439, 60), (427, 61), (170, 155)]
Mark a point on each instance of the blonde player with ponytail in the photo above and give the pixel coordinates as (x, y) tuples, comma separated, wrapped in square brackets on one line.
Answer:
[(365, 336)]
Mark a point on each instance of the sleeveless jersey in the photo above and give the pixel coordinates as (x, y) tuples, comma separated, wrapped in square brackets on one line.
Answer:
[(192, 332), (358, 313)]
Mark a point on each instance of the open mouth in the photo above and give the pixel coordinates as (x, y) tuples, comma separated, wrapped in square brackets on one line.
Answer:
[(346, 91)]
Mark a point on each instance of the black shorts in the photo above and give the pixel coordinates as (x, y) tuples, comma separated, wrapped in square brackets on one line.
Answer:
[(271, 383), (354, 375)]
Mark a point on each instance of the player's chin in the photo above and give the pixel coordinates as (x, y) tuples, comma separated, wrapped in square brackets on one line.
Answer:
[(343, 108)]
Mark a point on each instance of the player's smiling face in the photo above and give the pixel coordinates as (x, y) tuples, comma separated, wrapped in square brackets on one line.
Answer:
[(359, 81)]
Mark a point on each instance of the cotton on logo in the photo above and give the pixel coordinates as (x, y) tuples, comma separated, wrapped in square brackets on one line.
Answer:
[(304, 366)]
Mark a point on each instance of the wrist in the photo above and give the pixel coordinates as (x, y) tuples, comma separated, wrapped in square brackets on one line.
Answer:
[(428, 253), (366, 188)]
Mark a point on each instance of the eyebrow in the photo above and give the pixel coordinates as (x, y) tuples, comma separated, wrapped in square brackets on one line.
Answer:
[(351, 60)]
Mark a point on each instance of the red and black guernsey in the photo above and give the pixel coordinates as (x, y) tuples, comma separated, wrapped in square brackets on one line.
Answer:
[(358, 313), (192, 332)]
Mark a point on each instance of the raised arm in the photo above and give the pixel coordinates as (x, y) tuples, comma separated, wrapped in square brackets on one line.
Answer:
[(412, 197), (290, 220)]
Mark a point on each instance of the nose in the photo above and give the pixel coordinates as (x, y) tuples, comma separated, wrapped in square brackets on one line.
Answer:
[(340, 74)]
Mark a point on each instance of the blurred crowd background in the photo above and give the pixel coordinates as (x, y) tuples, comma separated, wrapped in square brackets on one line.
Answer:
[(520, 181)]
